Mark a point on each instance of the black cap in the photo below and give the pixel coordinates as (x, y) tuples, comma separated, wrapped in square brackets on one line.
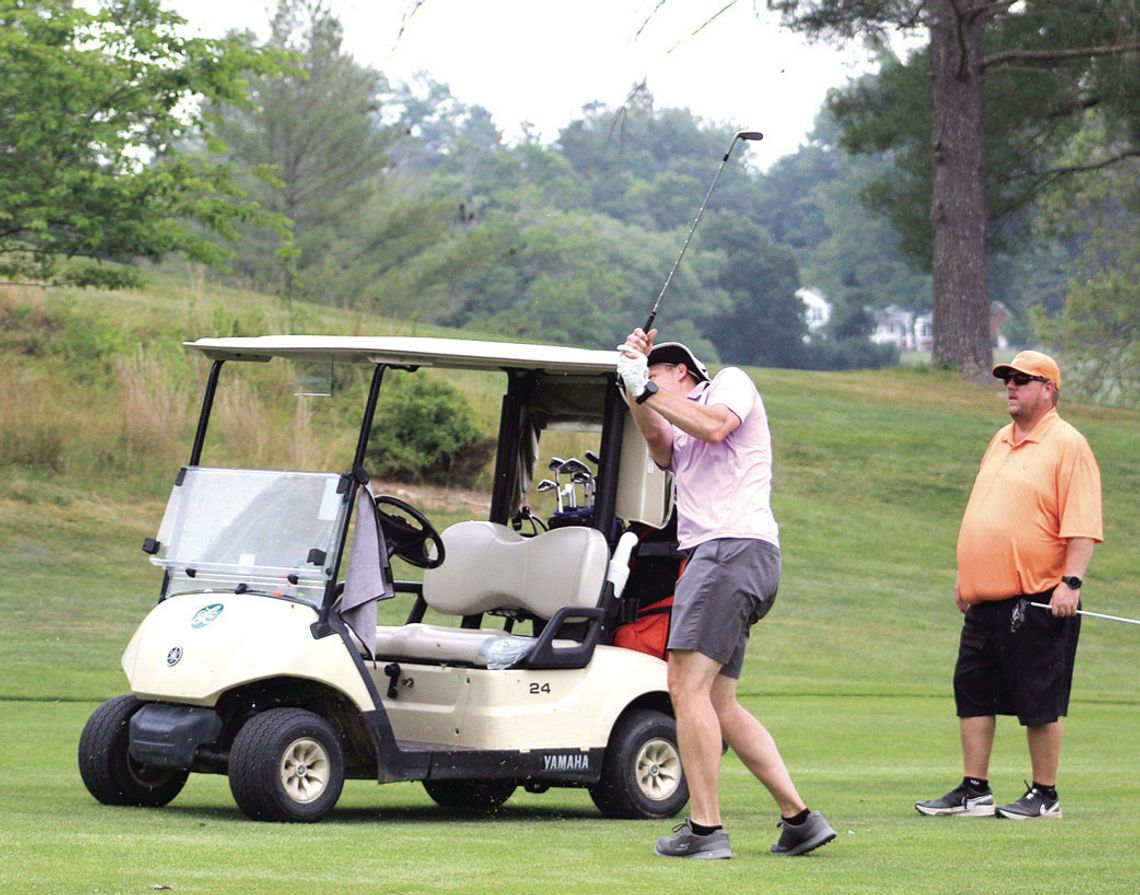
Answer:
[(677, 353)]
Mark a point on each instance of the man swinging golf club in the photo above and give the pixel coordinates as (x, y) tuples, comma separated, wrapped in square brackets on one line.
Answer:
[(713, 435), (1027, 536)]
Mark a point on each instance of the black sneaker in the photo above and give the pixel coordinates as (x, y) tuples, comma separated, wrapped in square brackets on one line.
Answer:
[(962, 801), (799, 839), (684, 843), (1032, 805)]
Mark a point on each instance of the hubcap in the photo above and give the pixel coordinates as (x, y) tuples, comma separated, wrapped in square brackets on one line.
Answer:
[(657, 770), (304, 770)]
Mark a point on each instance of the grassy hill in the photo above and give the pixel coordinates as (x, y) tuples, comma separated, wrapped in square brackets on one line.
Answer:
[(851, 669)]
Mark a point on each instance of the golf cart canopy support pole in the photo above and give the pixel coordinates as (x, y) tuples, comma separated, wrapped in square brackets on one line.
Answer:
[(609, 460), (350, 494), (204, 413)]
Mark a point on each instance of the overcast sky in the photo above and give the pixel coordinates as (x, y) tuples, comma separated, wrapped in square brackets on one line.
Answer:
[(541, 61)]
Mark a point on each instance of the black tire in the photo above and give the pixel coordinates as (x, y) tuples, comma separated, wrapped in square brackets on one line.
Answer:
[(107, 769), (475, 796), (286, 765), (641, 772)]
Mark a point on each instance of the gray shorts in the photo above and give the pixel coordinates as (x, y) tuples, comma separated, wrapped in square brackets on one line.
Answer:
[(728, 585)]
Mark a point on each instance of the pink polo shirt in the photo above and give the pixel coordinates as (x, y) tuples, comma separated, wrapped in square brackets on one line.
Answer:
[(724, 490)]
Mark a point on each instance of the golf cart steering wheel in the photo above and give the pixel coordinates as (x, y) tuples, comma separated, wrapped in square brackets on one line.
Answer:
[(411, 542)]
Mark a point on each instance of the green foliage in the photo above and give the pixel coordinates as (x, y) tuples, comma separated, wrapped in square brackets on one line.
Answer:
[(859, 262), (426, 432), (848, 354), (1098, 331), (313, 127), (92, 107), (763, 320)]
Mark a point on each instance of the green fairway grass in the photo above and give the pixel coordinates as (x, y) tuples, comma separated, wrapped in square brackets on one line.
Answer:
[(851, 670), (862, 760)]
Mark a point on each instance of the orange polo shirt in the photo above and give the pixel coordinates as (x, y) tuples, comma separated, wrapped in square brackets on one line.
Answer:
[(1028, 500)]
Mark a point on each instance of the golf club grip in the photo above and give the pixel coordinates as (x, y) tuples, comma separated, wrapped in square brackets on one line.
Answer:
[(649, 321)]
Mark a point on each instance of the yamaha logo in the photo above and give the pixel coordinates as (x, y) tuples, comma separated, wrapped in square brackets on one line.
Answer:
[(174, 655), (573, 761)]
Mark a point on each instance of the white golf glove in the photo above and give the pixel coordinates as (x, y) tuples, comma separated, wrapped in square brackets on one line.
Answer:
[(633, 370)]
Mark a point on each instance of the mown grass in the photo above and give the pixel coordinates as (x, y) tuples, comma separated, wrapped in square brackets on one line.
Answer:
[(851, 670), (861, 760)]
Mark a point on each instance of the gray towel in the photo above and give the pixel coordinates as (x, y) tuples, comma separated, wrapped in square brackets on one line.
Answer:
[(367, 579)]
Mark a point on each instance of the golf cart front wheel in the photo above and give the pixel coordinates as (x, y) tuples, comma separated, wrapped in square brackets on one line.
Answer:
[(106, 766), (286, 765), (473, 796), (641, 773)]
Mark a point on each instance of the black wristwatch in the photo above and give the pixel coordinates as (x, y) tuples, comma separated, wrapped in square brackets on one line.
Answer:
[(648, 392), (1072, 580)]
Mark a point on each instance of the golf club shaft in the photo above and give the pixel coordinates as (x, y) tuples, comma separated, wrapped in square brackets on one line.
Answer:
[(740, 135), (1111, 618)]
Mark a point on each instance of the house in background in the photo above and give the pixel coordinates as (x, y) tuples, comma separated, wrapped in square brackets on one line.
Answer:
[(818, 311), (924, 331), (894, 325), (910, 331)]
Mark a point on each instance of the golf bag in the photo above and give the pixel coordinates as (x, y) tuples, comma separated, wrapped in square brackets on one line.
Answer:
[(655, 566)]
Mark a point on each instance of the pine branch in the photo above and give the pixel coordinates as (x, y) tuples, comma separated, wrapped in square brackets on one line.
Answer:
[(1054, 55)]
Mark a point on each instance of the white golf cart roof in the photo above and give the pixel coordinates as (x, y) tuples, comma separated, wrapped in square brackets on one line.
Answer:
[(465, 354), (644, 491)]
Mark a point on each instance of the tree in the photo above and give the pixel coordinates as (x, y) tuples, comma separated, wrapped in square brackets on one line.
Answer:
[(1098, 331), (762, 321), (316, 128), (1028, 71), (93, 106)]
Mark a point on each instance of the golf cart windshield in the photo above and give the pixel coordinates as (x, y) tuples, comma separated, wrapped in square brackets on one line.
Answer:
[(269, 531)]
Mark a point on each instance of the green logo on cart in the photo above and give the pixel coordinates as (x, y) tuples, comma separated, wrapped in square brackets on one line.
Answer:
[(206, 614)]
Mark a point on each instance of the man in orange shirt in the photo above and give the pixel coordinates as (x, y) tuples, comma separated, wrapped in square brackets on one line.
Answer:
[(1028, 534)]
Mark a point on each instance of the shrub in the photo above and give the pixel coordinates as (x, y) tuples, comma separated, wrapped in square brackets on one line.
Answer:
[(849, 354), (425, 432)]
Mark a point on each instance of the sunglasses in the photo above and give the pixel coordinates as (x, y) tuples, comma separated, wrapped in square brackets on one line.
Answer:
[(1020, 379)]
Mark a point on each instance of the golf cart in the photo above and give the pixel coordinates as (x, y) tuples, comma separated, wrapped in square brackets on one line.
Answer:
[(264, 659)]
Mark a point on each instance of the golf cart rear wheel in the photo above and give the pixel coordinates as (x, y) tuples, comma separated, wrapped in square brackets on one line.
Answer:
[(468, 795), (106, 766), (641, 773), (286, 765)]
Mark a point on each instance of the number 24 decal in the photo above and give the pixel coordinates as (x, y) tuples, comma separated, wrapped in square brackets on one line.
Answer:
[(537, 688)]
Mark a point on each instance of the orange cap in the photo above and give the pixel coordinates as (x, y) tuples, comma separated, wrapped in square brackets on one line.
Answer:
[(1031, 363)]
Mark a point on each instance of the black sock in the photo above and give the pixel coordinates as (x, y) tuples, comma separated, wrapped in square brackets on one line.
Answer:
[(978, 784), (701, 830), (1050, 792), (797, 819)]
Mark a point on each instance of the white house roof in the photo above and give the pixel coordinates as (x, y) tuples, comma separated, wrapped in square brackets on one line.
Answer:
[(466, 354)]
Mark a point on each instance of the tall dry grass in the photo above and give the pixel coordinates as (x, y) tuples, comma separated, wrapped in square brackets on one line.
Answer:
[(154, 406), (34, 424)]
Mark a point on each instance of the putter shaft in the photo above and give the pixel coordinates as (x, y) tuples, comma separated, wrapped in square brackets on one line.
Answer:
[(1111, 618)]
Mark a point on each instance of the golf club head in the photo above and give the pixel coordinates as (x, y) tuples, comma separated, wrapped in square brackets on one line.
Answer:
[(545, 485), (593, 457), (573, 465), (554, 463), (749, 135)]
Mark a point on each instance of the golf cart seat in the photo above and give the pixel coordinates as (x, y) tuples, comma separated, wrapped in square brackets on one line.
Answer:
[(556, 577)]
